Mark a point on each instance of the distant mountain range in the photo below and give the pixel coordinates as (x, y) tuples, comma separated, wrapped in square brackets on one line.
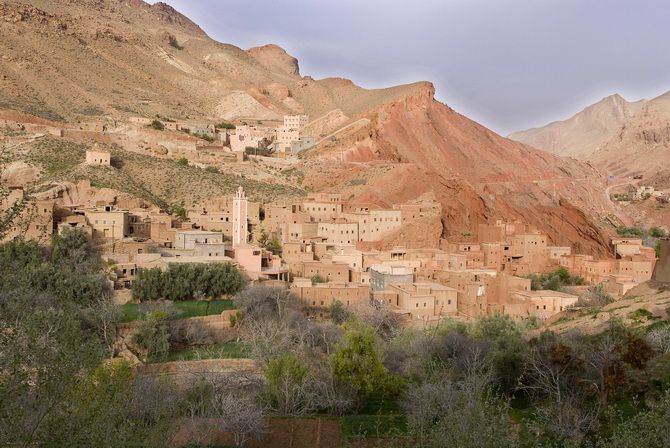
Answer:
[(618, 136)]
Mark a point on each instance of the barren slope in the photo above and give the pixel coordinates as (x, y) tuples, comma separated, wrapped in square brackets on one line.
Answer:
[(418, 145), (643, 144), (583, 133), (66, 59)]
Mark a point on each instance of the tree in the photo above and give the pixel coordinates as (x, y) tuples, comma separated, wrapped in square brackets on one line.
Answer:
[(357, 361), (240, 415), (152, 333), (183, 161), (148, 284), (286, 378), (9, 215), (649, 428), (338, 313), (157, 125), (179, 211), (443, 414)]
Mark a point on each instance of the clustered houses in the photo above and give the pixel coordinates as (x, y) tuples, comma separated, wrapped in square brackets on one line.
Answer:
[(483, 277), (329, 252), (324, 217), (290, 138)]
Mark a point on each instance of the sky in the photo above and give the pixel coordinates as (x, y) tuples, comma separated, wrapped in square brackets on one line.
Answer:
[(508, 64)]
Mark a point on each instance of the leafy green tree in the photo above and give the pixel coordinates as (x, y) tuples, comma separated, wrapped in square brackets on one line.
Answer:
[(148, 284), (157, 125), (152, 333), (180, 212), (338, 312), (357, 362), (649, 428)]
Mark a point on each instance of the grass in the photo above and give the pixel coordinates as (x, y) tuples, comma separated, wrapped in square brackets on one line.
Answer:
[(373, 425), (192, 308), (228, 350), (380, 417)]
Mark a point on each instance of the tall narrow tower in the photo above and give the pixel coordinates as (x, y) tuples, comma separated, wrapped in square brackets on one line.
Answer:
[(239, 218)]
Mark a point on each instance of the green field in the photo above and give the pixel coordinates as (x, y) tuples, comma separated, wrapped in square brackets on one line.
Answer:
[(228, 350), (190, 308)]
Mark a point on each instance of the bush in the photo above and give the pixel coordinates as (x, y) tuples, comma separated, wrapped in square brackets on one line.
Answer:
[(212, 169), (657, 232), (630, 232), (318, 279), (203, 136), (225, 125), (554, 280), (183, 161), (338, 313), (152, 333), (157, 125)]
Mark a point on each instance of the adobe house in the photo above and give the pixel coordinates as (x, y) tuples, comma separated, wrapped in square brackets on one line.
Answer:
[(323, 295), (97, 156)]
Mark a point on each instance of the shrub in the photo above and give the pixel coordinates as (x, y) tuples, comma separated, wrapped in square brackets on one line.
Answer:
[(338, 313), (152, 333), (357, 361), (225, 125), (657, 232), (157, 125), (179, 212), (318, 279), (630, 232), (203, 136), (212, 169), (183, 161)]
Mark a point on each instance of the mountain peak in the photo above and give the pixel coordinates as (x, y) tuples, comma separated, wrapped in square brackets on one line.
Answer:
[(275, 58)]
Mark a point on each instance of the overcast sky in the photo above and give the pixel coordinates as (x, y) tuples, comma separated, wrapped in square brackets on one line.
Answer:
[(509, 64)]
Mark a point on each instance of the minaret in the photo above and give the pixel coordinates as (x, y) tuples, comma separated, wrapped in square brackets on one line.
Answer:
[(239, 218)]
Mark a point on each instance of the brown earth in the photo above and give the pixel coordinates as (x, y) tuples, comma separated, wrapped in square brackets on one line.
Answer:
[(282, 432), (651, 297)]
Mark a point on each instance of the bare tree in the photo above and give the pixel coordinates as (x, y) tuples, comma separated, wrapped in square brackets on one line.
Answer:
[(550, 373), (241, 416), (659, 339), (381, 318)]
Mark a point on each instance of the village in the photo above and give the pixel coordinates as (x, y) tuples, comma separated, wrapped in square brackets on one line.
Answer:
[(323, 248), (253, 224)]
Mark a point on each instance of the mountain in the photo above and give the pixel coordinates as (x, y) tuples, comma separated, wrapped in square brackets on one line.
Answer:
[(642, 144), (585, 132), (82, 59), (71, 59), (617, 136)]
